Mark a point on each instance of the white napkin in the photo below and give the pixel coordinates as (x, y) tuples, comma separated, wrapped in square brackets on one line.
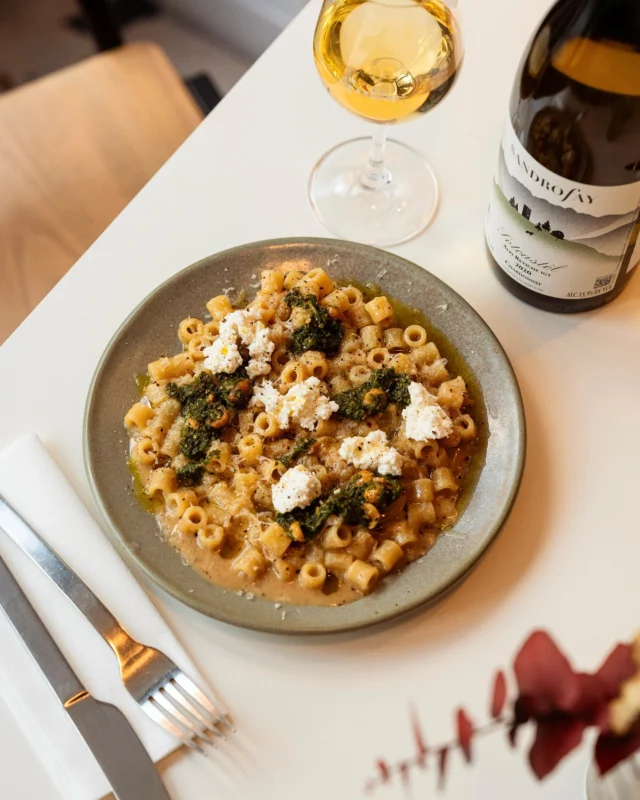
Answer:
[(34, 485)]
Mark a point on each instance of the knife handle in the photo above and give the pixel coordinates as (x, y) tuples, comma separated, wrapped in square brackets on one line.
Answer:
[(37, 638), (65, 578)]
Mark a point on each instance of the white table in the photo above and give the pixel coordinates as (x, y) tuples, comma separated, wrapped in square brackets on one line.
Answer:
[(568, 557)]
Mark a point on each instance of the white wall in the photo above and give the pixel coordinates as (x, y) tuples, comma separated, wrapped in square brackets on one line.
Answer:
[(248, 25)]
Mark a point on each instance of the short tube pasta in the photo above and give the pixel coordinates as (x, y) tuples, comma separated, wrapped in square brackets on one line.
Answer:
[(420, 515), (178, 502), (363, 576), (250, 562), (451, 393), (359, 374), (312, 575), (337, 299), (372, 337), (351, 342), (144, 452), (219, 307), (404, 533), (211, 537), (170, 368), (138, 416), (387, 555), (252, 463), (427, 452), (293, 372), (162, 481), (219, 461), (271, 281), (444, 480), (196, 347), (314, 364), (362, 545), (291, 278), (394, 340), (415, 336), (189, 329), (426, 354), (400, 362), (337, 536), (438, 372), (445, 508), (155, 393), (380, 309), (466, 427), (421, 491), (250, 449), (265, 425), (337, 561), (192, 520), (353, 295), (275, 540), (377, 357), (320, 278), (358, 315), (272, 470)]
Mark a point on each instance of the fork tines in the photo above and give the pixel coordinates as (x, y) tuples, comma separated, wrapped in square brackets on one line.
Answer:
[(183, 710)]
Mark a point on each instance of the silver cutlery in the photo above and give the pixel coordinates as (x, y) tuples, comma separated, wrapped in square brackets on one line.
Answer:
[(156, 683), (104, 728)]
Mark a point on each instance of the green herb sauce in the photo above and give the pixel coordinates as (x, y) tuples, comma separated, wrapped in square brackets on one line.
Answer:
[(190, 474), (374, 395), (322, 332), (349, 502), (299, 449)]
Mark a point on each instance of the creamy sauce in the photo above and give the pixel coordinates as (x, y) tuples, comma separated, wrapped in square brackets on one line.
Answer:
[(244, 526)]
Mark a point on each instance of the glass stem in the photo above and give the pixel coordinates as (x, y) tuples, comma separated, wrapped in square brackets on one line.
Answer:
[(374, 175)]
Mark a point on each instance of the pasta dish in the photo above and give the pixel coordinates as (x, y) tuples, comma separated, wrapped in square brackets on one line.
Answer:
[(305, 446)]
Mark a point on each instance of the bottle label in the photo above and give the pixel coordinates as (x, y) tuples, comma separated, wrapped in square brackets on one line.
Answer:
[(555, 236)]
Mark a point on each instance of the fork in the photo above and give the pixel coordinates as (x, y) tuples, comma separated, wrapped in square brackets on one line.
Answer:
[(161, 689)]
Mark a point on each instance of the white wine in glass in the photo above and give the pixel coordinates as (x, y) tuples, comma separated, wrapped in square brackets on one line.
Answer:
[(387, 61)]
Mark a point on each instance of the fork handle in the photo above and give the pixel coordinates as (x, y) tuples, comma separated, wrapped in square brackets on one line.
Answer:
[(64, 577)]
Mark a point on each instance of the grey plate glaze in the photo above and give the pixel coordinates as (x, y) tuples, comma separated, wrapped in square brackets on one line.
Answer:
[(150, 331)]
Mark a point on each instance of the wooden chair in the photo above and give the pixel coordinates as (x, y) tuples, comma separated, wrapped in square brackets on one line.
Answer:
[(75, 148)]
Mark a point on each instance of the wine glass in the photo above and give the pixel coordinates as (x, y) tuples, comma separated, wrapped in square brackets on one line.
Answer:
[(387, 61), (622, 783)]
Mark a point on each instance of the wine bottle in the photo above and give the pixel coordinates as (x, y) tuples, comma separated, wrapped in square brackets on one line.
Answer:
[(563, 226)]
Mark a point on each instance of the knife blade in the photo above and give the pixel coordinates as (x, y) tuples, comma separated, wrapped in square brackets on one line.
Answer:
[(104, 728)]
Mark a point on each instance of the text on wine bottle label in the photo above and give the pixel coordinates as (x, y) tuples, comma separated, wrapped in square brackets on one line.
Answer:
[(558, 237)]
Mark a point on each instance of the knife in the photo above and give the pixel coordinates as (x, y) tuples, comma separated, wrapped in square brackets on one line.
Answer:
[(105, 729)]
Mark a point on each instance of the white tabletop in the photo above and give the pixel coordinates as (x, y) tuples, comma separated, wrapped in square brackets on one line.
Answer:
[(313, 714)]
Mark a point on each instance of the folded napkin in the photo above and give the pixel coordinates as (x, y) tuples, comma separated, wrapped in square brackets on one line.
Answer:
[(34, 485)]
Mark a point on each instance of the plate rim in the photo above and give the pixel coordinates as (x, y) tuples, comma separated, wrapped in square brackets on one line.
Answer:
[(301, 630)]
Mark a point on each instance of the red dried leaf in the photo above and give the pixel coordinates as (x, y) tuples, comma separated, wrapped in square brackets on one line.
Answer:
[(421, 747), (383, 769), (465, 733), (591, 699), (499, 694), (617, 668), (405, 777), (555, 738), (611, 750), (443, 754), (543, 672), (513, 732)]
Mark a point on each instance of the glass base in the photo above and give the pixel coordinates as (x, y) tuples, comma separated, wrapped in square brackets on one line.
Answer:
[(401, 208), (622, 783)]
